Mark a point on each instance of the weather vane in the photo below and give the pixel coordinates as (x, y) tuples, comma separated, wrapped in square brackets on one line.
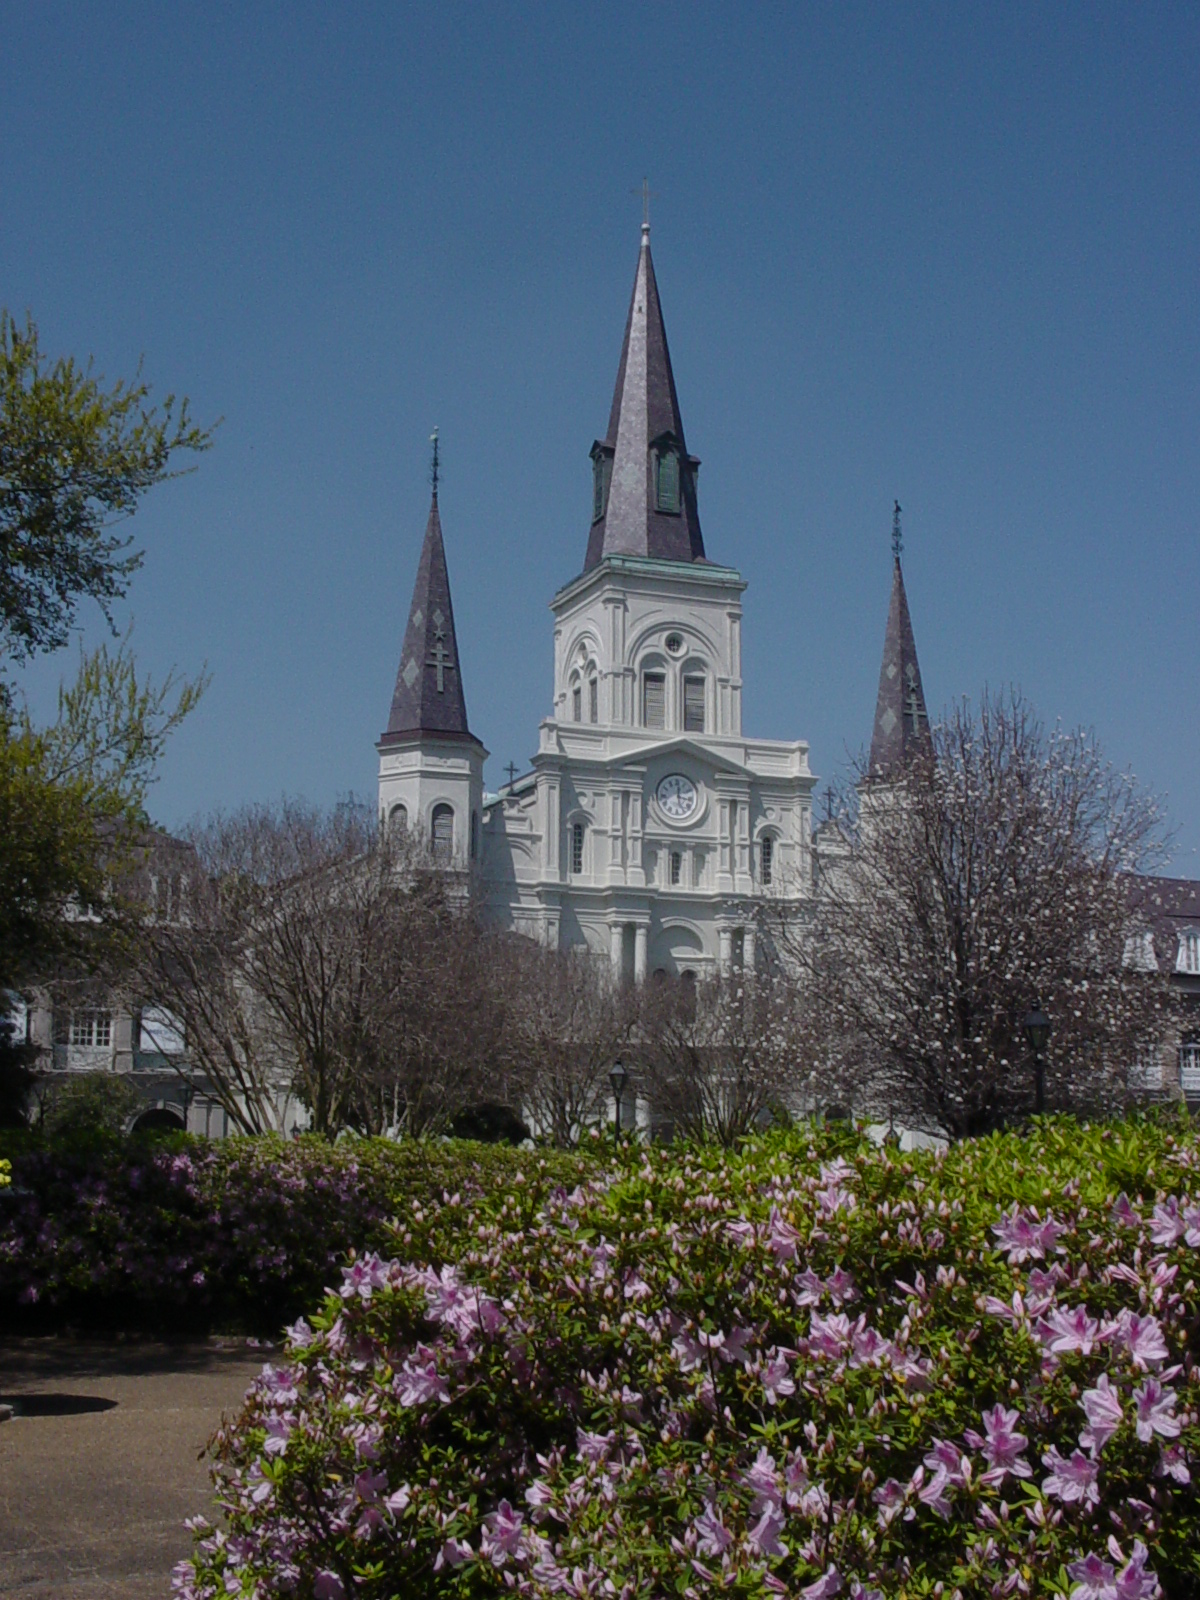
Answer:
[(897, 541), (434, 470)]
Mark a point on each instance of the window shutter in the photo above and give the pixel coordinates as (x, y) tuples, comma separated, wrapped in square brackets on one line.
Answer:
[(593, 700), (576, 848), (654, 700), (443, 833), (676, 866), (693, 705), (577, 704), (768, 851), (667, 497)]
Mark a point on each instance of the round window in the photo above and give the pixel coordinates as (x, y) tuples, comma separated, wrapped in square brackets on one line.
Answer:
[(674, 643)]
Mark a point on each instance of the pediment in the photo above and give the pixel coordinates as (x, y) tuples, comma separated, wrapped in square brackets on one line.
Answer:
[(705, 755)]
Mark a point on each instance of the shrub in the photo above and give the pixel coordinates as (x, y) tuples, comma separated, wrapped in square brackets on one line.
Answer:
[(182, 1235), (804, 1368)]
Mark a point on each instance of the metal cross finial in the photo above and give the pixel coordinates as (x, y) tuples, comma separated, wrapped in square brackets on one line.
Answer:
[(647, 195), (897, 541), (434, 470), (511, 769)]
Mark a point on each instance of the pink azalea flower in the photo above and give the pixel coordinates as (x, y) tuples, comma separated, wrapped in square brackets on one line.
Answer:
[(829, 1335), (419, 1381), (328, 1586), (1172, 1463), (1143, 1335), (713, 1538), (763, 1537), (1136, 1581), (452, 1554), (1002, 1447), (593, 1447), (1073, 1330), (782, 1238), (1020, 1235), (1102, 1407), (1167, 1226), (399, 1501), (762, 1479), (933, 1494), (810, 1289), (777, 1378), (1072, 1479), (501, 1539), (1095, 1579), (1155, 1408), (1123, 1211), (826, 1586), (839, 1285)]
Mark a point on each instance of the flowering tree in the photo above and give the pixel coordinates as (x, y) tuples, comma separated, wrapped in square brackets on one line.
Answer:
[(987, 876)]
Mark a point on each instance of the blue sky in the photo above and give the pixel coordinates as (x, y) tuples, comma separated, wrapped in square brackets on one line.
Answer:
[(945, 253)]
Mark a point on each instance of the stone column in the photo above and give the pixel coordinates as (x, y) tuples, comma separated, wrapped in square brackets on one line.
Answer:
[(748, 950), (616, 938), (725, 947), (640, 934)]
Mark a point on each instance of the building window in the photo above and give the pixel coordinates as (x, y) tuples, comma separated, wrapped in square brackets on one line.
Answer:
[(576, 849), (1189, 951), (1147, 1067), (666, 496), (1189, 1067), (593, 700), (674, 643), (766, 855), (693, 705), (654, 700), (601, 474), (576, 702), (398, 820), (676, 866), (160, 1032), (443, 833), (89, 1029)]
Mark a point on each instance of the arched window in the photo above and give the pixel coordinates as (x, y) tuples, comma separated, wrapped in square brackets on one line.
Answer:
[(766, 857), (693, 704), (443, 833), (576, 849), (577, 701), (593, 700), (398, 820), (654, 700)]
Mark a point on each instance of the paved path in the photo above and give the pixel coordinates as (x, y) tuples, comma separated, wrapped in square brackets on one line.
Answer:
[(98, 1467)]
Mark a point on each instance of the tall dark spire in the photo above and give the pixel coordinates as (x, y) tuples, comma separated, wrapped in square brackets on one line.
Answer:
[(429, 689), (644, 499), (901, 720)]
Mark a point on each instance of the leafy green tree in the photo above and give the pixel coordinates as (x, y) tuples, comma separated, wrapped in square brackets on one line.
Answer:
[(75, 460)]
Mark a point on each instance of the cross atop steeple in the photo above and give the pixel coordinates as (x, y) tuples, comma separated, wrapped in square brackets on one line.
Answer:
[(433, 470), (901, 721), (897, 540)]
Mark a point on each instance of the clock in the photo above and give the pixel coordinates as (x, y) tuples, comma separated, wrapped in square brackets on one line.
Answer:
[(677, 797)]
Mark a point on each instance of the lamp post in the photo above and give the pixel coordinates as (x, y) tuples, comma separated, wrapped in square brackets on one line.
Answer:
[(618, 1077), (1037, 1031)]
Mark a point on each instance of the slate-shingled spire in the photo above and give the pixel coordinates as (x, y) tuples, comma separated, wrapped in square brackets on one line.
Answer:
[(901, 721), (429, 690), (645, 425)]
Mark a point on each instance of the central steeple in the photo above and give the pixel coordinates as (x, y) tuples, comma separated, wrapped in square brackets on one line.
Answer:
[(644, 481)]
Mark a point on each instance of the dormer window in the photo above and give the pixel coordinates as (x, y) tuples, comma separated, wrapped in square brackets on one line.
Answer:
[(667, 482), (601, 477)]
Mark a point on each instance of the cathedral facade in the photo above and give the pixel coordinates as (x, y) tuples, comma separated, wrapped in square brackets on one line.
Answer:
[(650, 829)]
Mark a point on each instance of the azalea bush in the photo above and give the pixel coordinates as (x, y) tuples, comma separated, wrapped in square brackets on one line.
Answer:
[(184, 1235), (809, 1367)]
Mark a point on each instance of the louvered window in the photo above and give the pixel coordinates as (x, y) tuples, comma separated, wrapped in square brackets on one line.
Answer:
[(398, 820), (443, 833), (1189, 951), (667, 485), (676, 866), (593, 700), (654, 700), (576, 849), (577, 703), (766, 857), (693, 705), (601, 472)]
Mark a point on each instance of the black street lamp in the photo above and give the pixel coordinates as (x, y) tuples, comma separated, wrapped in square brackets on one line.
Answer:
[(1037, 1031), (618, 1077)]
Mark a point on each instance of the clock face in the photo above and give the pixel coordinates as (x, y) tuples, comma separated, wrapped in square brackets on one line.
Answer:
[(677, 797)]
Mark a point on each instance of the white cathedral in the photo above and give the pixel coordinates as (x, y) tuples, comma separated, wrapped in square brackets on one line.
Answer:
[(650, 828)]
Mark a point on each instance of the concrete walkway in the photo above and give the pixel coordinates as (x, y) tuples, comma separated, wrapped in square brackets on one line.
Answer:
[(98, 1466)]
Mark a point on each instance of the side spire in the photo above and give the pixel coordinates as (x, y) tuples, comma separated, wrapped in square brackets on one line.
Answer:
[(644, 481), (901, 720), (429, 697)]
